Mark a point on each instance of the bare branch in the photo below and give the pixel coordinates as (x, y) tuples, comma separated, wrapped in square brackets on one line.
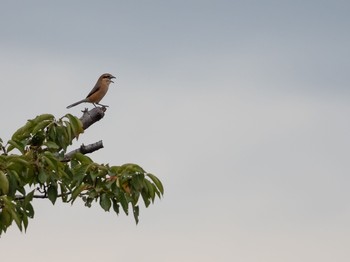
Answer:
[(18, 197), (84, 150), (89, 118), (92, 116)]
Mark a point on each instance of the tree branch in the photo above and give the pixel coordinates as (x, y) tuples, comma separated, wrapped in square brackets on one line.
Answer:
[(83, 150), (89, 118), (18, 197), (92, 116)]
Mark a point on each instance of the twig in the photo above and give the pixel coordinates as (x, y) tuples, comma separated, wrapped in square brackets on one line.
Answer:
[(42, 196)]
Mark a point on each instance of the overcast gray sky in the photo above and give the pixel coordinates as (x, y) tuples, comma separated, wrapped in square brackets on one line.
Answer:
[(239, 107)]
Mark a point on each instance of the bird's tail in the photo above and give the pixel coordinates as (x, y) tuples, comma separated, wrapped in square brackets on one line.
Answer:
[(77, 103)]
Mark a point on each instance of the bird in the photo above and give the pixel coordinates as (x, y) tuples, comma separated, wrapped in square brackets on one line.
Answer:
[(98, 92)]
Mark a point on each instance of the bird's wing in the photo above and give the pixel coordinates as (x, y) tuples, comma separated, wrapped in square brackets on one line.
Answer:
[(94, 90)]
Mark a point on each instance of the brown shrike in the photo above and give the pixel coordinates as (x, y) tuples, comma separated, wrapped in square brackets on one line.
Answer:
[(98, 92)]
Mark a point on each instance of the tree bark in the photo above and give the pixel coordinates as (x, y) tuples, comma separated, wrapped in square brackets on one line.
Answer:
[(89, 118), (92, 116)]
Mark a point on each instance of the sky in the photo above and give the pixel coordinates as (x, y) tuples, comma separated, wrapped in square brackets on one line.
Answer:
[(239, 107)]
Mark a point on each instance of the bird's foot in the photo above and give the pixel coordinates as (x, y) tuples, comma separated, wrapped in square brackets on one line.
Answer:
[(102, 105)]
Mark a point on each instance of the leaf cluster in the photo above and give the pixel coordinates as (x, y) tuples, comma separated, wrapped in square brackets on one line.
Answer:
[(40, 170)]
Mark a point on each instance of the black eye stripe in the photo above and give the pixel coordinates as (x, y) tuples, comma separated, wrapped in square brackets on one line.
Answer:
[(107, 76)]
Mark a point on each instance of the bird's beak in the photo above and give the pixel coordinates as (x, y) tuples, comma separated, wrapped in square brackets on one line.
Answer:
[(112, 78)]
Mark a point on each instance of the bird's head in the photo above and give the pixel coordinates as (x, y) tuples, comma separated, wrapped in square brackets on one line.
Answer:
[(107, 78)]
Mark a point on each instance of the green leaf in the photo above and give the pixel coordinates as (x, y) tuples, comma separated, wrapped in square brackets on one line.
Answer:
[(123, 202), (4, 184), (52, 160), (28, 198), (5, 217), (42, 176), (145, 198), (24, 131), (63, 192), (137, 182), (77, 126), (157, 182), (52, 193), (82, 158), (52, 134), (69, 131), (42, 118), (18, 161), (16, 144), (77, 191), (30, 210), (53, 166), (16, 218), (22, 190), (105, 202), (150, 189), (13, 183), (79, 173), (115, 206), (136, 211), (115, 169), (51, 145), (114, 188), (133, 168), (41, 126), (135, 197), (61, 138), (25, 221)]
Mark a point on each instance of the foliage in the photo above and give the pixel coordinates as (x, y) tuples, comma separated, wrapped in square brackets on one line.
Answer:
[(40, 170)]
